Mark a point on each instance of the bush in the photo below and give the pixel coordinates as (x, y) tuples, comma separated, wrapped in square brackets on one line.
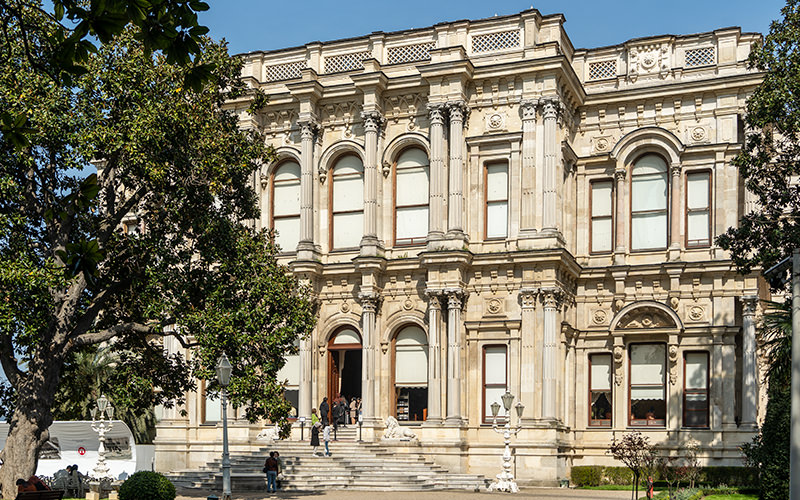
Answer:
[(587, 475), (769, 451), (146, 485), (617, 475), (729, 476)]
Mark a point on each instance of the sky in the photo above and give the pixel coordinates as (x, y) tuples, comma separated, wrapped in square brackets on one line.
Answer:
[(250, 25)]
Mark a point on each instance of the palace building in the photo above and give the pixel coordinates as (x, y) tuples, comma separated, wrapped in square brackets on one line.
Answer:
[(480, 207)]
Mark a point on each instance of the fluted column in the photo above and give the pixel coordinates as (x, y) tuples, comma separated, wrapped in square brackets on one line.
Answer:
[(454, 302), (551, 297), (619, 216), (369, 307), (675, 210), (455, 208), (527, 203), (304, 403), (550, 110), (527, 362), (434, 358), (307, 130), (373, 121), (437, 114), (749, 365)]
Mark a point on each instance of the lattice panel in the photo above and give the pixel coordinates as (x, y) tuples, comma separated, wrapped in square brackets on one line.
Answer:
[(411, 53), (603, 70), (700, 57), (285, 71), (346, 62), (491, 42)]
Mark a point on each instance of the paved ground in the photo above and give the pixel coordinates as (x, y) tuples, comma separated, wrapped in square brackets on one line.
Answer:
[(526, 494)]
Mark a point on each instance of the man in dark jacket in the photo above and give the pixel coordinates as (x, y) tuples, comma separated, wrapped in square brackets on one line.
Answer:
[(324, 410), (271, 467)]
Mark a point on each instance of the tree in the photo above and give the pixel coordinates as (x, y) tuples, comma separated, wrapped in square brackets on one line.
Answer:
[(635, 451), (172, 162), (769, 450)]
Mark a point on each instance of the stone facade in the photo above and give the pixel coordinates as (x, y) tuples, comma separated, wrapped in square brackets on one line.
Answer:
[(572, 201)]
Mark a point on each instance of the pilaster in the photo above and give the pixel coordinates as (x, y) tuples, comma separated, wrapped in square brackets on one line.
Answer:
[(528, 365), (458, 112), (434, 357), (619, 217), (306, 250), (455, 301), (551, 298), (749, 362), (370, 245), (675, 209), (551, 108), (438, 183), (528, 180)]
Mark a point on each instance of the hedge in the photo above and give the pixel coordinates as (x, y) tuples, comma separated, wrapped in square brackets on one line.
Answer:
[(597, 475)]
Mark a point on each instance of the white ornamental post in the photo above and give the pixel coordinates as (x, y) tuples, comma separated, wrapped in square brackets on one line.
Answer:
[(505, 480), (101, 425)]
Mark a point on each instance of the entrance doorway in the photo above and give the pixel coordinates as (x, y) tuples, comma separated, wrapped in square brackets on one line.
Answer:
[(344, 365)]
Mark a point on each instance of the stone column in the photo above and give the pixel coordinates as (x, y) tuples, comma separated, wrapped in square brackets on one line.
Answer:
[(306, 244), (455, 300), (369, 307), (528, 351), (434, 358), (551, 297), (619, 216), (527, 203), (437, 187), (373, 121), (455, 208), (749, 365), (675, 210), (550, 109), (304, 403)]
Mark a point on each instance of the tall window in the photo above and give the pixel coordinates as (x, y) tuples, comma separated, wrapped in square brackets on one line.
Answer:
[(212, 407), (495, 379), (496, 214), (648, 401), (286, 205), (600, 390), (601, 236), (698, 209), (695, 389), (411, 197), (411, 374), (290, 373), (649, 220), (347, 195)]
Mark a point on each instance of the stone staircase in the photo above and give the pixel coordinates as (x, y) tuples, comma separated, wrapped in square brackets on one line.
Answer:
[(353, 466)]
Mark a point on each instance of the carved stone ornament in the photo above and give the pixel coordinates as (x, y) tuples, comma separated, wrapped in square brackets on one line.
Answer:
[(618, 358), (408, 304), (648, 59), (495, 122), (698, 134), (674, 302), (696, 313), (344, 307), (386, 169), (527, 297), (602, 144), (494, 306), (673, 364), (646, 317), (599, 317), (528, 108)]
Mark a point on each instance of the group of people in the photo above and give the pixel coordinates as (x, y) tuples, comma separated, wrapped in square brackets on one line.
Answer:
[(273, 467), (33, 483), (342, 412), (70, 480)]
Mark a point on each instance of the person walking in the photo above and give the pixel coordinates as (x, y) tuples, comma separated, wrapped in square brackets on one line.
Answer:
[(315, 437), (271, 468), (314, 417), (337, 409), (279, 477), (324, 409), (326, 436)]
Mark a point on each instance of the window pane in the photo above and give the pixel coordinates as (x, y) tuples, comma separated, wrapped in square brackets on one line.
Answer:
[(497, 219), (348, 230), (412, 336), (649, 192), (411, 158), (497, 182), (647, 363), (412, 186), (290, 371), (697, 190), (349, 164), (348, 193), (494, 394), (495, 367), (412, 223), (649, 164), (347, 336), (411, 366), (213, 409), (601, 235), (649, 231), (287, 198), (697, 229), (287, 233), (647, 393), (288, 171), (601, 372), (601, 407), (601, 198), (696, 370)]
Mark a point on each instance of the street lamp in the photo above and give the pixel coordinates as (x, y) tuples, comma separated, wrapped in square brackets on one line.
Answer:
[(505, 480), (101, 425), (224, 370)]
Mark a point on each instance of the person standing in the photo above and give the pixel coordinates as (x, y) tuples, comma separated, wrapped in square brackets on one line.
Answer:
[(315, 437), (324, 409), (337, 409), (279, 478), (314, 417), (353, 411), (271, 468), (326, 436)]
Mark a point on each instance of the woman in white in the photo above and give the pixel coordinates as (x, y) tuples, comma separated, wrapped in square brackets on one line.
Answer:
[(326, 436)]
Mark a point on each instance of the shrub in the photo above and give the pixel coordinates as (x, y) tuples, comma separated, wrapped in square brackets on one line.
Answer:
[(146, 485), (617, 475), (587, 475), (730, 476), (769, 451)]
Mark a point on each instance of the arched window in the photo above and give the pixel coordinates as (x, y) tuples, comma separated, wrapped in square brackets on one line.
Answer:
[(649, 216), (411, 374), (286, 205), (411, 197), (347, 202)]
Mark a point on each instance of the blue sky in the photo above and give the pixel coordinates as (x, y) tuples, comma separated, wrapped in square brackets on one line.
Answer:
[(250, 25)]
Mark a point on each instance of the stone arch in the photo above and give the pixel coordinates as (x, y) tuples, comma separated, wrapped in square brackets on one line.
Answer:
[(647, 140), (336, 323), (646, 314), (401, 142), (337, 149), (398, 320), (282, 154)]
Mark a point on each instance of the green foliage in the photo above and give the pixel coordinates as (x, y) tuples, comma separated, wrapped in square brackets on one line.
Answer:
[(775, 332), (768, 159), (146, 485), (769, 451), (587, 475)]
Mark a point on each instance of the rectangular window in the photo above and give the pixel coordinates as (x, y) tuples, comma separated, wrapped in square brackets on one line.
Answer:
[(698, 209), (212, 407), (648, 400), (601, 235), (495, 380), (600, 390), (496, 215), (695, 389)]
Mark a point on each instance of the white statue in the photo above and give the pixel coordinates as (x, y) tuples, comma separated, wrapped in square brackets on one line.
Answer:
[(269, 434), (394, 431)]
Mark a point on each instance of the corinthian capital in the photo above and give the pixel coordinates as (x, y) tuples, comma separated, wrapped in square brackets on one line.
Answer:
[(437, 113), (619, 175), (459, 111), (373, 121), (434, 298), (749, 304), (528, 108), (552, 297), (456, 298), (369, 301), (551, 107), (308, 128), (527, 297)]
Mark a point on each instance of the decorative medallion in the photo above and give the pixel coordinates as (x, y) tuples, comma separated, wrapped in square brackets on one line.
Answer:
[(648, 60), (696, 313), (495, 122), (599, 317), (698, 134), (408, 304), (601, 144), (345, 307), (494, 306)]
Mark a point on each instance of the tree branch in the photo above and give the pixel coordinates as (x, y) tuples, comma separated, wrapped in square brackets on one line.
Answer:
[(8, 361), (108, 334)]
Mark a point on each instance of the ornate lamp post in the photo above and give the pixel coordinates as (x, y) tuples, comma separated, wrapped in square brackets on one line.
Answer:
[(101, 425), (224, 370), (505, 480)]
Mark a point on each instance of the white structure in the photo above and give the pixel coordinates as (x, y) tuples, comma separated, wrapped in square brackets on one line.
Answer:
[(481, 207)]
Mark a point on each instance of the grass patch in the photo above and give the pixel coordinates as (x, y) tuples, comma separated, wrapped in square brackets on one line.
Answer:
[(737, 496)]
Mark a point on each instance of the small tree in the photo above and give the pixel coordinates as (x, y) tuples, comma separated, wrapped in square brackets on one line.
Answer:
[(691, 451), (769, 451), (635, 451)]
